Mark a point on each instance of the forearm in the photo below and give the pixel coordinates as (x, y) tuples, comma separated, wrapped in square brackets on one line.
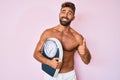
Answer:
[(86, 57), (39, 57)]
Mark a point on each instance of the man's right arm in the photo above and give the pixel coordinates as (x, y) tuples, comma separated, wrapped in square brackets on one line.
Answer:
[(38, 50), (38, 53)]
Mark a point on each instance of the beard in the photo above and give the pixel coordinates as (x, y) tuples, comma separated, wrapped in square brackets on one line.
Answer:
[(65, 23)]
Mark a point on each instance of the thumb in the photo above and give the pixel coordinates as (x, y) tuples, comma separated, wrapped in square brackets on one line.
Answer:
[(56, 59), (84, 42)]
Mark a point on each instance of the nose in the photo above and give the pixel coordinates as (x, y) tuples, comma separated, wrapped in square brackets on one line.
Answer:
[(66, 14)]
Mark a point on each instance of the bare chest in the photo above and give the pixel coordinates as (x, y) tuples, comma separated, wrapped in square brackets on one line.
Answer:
[(68, 41)]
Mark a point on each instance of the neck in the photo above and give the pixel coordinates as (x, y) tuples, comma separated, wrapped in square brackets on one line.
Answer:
[(63, 28)]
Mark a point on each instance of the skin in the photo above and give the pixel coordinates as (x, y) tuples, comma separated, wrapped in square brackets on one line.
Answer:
[(71, 42)]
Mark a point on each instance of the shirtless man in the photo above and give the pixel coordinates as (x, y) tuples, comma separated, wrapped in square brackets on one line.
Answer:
[(71, 42)]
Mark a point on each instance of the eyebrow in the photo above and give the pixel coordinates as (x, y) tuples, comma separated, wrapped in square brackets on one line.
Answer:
[(68, 11)]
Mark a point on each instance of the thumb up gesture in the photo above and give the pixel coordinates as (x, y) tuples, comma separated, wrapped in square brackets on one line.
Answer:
[(82, 48)]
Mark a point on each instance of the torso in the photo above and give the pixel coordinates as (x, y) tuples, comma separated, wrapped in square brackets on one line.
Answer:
[(69, 44)]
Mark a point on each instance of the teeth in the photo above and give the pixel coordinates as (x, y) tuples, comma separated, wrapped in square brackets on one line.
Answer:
[(64, 19)]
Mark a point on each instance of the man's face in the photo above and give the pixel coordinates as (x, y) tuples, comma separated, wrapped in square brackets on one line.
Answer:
[(66, 16)]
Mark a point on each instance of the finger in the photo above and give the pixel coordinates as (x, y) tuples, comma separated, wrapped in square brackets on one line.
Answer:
[(56, 59), (84, 42), (59, 65)]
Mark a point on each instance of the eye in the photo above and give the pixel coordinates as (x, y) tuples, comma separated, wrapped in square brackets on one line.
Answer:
[(70, 13)]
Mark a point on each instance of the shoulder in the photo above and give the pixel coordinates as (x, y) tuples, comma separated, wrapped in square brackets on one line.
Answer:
[(49, 30), (78, 36)]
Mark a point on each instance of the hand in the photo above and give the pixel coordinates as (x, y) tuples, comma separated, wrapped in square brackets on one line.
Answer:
[(84, 52), (55, 63)]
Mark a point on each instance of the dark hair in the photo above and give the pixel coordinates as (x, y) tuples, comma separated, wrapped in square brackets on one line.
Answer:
[(70, 5)]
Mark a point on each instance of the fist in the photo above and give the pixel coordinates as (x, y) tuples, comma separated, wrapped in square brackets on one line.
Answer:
[(54, 63)]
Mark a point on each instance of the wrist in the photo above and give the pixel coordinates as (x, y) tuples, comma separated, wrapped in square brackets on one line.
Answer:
[(48, 62)]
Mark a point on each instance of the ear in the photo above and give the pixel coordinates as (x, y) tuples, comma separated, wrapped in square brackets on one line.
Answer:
[(73, 17)]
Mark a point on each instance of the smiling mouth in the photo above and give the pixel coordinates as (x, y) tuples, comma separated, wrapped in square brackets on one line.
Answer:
[(65, 19)]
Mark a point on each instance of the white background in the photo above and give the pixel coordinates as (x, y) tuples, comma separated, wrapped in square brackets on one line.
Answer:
[(23, 21)]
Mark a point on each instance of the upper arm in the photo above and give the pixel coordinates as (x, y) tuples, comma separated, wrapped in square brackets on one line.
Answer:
[(41, 41)]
